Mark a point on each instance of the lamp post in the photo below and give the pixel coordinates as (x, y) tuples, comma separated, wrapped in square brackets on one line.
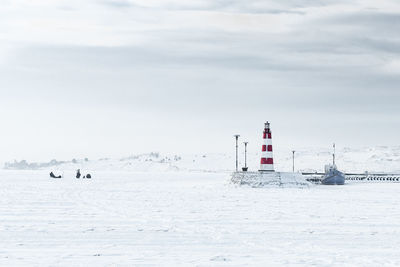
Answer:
[(293, 151), (236, 137), (245, 156)]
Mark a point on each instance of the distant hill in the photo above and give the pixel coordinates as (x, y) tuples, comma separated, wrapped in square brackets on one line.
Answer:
[(372, 159)]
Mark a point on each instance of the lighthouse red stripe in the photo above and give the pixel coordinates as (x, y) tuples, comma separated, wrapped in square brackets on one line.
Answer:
[(267, 161), (267, 148), (265, 136)]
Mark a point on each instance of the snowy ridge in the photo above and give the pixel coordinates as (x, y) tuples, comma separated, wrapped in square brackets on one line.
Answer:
[(371, 159)]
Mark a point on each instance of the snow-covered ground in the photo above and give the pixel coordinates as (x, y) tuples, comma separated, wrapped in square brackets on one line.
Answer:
[(192, 219)]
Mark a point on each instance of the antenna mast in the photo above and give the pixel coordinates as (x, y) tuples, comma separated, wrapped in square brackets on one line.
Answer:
[(293, 151), (245, 154), (334, 152)]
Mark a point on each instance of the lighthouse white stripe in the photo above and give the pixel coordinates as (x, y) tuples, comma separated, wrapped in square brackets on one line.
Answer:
[(267, 167), (266, 154), (267, 142)]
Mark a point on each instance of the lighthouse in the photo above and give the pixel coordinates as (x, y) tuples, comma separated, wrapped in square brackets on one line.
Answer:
[(267, 161), (267, 176)]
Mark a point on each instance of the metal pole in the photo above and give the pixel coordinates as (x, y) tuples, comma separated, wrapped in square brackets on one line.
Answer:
[(334, 152), (293, 159), (245, 154), (236, 137)]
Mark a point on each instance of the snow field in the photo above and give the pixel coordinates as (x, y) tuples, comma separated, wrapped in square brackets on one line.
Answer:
[(192, 219)]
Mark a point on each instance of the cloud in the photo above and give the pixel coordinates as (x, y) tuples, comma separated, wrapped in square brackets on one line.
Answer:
[(392, 67), (117, 3), (300, 63)]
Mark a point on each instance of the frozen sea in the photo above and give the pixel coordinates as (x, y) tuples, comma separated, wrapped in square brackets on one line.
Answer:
[(193, 219)]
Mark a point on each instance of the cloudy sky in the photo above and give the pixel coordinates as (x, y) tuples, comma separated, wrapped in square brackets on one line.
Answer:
[(115, 77)]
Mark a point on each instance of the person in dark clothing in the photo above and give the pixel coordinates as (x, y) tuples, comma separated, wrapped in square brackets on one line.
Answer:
[(53, 176), (78, 173)]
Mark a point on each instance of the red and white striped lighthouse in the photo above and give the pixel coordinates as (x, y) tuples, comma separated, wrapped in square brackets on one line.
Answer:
[(267, 161)]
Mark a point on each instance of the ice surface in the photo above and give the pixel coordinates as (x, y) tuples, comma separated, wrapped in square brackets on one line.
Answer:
[(192, 219)]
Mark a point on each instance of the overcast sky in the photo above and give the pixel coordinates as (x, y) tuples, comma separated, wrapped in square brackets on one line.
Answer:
[(101, 78)]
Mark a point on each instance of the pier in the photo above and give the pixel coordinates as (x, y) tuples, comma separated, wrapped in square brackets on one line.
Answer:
[(358, 177)]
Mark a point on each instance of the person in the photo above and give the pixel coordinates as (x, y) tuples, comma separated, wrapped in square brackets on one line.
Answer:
[(88, 176), (78, 173), (53, 176)]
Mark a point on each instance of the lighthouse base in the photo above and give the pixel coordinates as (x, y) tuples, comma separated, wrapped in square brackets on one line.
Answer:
[(270, 179)]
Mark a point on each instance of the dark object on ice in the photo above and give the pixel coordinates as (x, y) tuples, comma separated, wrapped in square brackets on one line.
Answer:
[(245, 169), (53, 176), (78, 173), (333, 176), (88, 176)]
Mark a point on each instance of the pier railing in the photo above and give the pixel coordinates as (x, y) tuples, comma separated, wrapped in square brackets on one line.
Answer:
[(316, 177)]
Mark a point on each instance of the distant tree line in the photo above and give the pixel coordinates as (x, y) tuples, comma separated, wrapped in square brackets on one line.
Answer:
[(24, 165)]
